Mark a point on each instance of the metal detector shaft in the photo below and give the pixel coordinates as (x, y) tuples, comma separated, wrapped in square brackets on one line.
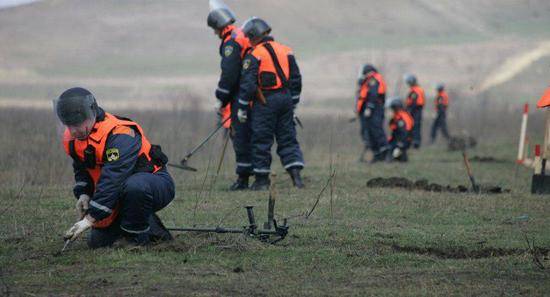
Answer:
[(209, 230), (200, 145)]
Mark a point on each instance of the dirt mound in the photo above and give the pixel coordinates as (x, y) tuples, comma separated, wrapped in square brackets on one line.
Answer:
[(482, 159), (425, 185), (460, 143)]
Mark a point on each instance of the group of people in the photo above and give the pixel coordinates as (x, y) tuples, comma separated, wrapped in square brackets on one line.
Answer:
[(121, 179), (406, 122), (259, 89)]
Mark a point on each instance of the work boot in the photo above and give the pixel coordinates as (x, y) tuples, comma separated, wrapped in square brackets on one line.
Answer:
[(157, 231), (240, 184), (261, 183), (296, 178), (380, 156)]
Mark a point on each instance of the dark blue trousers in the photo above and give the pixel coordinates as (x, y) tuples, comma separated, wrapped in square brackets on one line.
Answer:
[(364, 131), (142, 195), (375, 128), (241, 135), (440, 122), (416, 114), (274, 120)]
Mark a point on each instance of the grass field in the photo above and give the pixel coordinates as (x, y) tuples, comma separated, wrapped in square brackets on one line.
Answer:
[(358, 240)]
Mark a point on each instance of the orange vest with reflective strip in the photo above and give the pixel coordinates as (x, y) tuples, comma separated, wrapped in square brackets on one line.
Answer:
[(98, 139), (365, 89), (266, 63), (545, 99), (239, 37), (420, 100), (441, 98), (402, 115)]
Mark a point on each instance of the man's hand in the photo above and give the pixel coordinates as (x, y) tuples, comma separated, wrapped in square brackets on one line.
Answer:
[(368, 112), (242, 115), (82, 205), (396, 153), (78, 228)]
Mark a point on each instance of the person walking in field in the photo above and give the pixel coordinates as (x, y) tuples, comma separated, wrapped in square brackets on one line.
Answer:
[(370, 110), (415, 104), (120, 177), (234, 45), (441, 104), (270, 75)]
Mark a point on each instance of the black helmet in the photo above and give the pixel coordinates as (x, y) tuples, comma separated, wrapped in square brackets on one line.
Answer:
[(410, 79), (440, 87), (256, 28), (220, 18), (368, 68), (396, 103), (75, 106)]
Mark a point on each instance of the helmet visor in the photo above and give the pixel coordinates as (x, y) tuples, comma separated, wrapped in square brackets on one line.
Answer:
[(73, 121)]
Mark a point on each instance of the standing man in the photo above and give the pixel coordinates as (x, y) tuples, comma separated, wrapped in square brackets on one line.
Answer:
[(233, 47), (401, 125), (271, 75), (121, 178), (370, 109), (415, 104), (441, 103)]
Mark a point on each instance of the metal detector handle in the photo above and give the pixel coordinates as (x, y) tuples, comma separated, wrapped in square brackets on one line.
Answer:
[(194, 150)]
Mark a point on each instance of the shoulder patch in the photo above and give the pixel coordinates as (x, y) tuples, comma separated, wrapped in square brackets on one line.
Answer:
[(372, 81), (414, 95), (246, 63), (124, 130), (228, 50), (401, 123), (112, 154)]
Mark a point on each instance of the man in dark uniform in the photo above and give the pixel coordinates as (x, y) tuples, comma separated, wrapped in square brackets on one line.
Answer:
[(415, 105), (401, 126), (121, 178), (233, 47), (271, 75), (441, 103), (370, 108)]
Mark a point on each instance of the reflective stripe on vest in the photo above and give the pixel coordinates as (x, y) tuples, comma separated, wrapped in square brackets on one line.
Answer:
[(266, 63)]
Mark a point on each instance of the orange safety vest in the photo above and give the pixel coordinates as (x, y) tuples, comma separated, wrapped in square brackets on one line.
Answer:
[(95, 144), (441, 98), (420, 99), (365, 89), (268, 77), (545, 99), (402, 115), (232, 32)]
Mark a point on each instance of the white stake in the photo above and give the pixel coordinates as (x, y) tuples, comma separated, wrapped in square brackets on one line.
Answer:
[(522, 133)]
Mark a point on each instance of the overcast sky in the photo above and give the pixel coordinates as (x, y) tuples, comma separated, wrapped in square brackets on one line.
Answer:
[(10, 3)]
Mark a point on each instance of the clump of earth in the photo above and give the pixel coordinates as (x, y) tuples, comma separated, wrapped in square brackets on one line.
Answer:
[(425, 185)]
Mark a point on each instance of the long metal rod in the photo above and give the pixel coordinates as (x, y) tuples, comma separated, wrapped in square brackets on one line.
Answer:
[(200, 145), (221, 230)]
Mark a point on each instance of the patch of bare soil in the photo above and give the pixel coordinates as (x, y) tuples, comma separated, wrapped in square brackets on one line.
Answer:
[(465, 253)]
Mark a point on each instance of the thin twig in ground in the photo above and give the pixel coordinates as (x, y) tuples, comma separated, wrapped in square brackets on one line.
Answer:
[(320, 194), (533, 251), (198, 199)]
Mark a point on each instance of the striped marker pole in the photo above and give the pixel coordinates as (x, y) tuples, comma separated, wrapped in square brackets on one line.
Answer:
[(537, 161), (523, 133)]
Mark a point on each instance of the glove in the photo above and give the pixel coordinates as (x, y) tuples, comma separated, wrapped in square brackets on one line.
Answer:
[(78, 228), (241, 115), (82, 205), (396, 152), (368, 112)]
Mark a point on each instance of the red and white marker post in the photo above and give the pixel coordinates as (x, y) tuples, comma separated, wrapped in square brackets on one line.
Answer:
[(522, 134)]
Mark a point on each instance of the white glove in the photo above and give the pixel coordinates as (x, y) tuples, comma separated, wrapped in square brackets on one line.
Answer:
[(82, 205), (396, 152), (78, 228), (241, 115), (368, 112)]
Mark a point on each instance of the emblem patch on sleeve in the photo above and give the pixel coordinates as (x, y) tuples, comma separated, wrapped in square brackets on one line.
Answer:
[(112, 154), (246, 64), (228, 50), (372, 82)]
